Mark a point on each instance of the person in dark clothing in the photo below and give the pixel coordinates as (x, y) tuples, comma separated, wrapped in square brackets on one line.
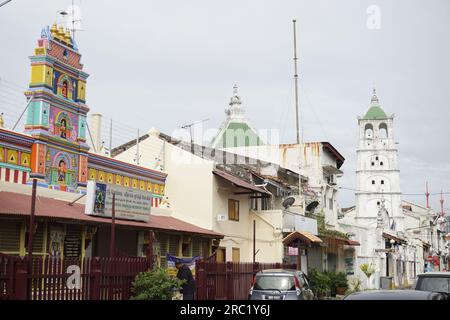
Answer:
[(188, 288)]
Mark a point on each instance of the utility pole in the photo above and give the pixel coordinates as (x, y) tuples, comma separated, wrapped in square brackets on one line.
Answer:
[(110, 139), (31, 230), (427, 195), (190, 125), (113, 226), (137, 148), (254, 241)]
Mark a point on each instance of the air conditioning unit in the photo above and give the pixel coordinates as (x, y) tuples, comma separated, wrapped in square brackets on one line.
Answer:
[(222, 217)]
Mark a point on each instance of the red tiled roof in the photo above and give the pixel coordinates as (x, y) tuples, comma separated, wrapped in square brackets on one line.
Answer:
[(19, 204), (238, 182)]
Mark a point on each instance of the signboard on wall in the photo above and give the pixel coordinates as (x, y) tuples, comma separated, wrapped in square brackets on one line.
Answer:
[(349, 268), (292, 251), (130, 204)]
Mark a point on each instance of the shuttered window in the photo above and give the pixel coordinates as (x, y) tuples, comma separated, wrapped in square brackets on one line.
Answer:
[(174, 244), (233, 210), (196, 247), (38, 239), (164, 241), (9, 236), (221, 255), (236, 257)]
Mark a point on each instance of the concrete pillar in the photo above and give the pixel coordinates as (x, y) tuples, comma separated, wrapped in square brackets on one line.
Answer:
[(96, 130)]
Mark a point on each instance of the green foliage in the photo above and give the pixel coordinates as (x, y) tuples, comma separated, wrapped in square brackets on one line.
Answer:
[(354, 285), (368, 269), (338, 280), (323, 231), (320, 281), (155, 285)]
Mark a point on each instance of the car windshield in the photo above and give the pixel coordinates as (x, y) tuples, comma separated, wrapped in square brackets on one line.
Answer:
[(433, 284), (274, 282)]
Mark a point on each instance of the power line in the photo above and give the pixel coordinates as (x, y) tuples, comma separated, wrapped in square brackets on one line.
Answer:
[(405, 194), (4, 2)]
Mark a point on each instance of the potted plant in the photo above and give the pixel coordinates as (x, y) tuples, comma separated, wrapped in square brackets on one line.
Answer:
[(332, 281), (341, 283), (320, 283), (155, 285)]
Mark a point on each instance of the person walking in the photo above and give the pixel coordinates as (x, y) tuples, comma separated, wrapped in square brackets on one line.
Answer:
[(184, 273)]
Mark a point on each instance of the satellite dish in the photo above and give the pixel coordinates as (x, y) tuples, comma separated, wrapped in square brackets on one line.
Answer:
[(310, 207), (289, 201)]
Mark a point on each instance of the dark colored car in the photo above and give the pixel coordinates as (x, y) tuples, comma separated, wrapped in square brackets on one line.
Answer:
[(434, 281), (395, 295), (280, 284)]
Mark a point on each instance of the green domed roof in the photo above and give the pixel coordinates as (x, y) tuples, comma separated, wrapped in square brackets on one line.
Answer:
[(374, 113)]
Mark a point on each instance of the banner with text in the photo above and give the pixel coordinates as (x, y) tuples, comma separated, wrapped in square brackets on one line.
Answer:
[(130, 204)]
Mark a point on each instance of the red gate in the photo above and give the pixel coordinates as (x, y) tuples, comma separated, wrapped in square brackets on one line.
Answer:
[(69, 279), (7, 267)]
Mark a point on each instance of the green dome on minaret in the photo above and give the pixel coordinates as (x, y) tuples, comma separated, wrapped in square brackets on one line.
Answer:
[(375, 111)]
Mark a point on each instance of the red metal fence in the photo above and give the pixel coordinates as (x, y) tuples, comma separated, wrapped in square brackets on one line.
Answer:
[(69, 279), (230, 280)]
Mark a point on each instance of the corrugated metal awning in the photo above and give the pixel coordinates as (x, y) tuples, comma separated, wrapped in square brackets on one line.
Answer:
[(239, 182)]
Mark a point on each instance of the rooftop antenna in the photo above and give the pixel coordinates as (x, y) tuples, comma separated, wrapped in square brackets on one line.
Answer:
[(297, 122), (190, 125), (70, 12), (296, 85), (427, 195), (442, 205)]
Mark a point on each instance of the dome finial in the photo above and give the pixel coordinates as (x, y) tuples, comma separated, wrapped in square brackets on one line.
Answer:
[(235, 90), (374, 96)]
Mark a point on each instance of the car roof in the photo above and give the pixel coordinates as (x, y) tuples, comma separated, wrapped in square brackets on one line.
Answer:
[(392, 295), (435, 274), (277, 271)]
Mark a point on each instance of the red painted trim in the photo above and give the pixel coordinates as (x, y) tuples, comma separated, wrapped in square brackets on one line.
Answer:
[(16, 176), (24, 177), (7, 174)]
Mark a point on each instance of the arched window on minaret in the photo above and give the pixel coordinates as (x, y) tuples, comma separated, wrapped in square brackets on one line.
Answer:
[(383, 131), (368, 131)]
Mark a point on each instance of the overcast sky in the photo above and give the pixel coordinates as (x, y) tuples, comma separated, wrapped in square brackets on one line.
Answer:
[(165, 63)]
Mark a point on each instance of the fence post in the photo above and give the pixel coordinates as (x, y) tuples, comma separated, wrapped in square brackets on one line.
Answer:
[(95, 283), (200, 274), (21, 281), (229, 279), (255, 268)]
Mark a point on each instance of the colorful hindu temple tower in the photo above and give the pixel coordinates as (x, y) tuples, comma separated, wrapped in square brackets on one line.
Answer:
[(56, 116), (53, 150)]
